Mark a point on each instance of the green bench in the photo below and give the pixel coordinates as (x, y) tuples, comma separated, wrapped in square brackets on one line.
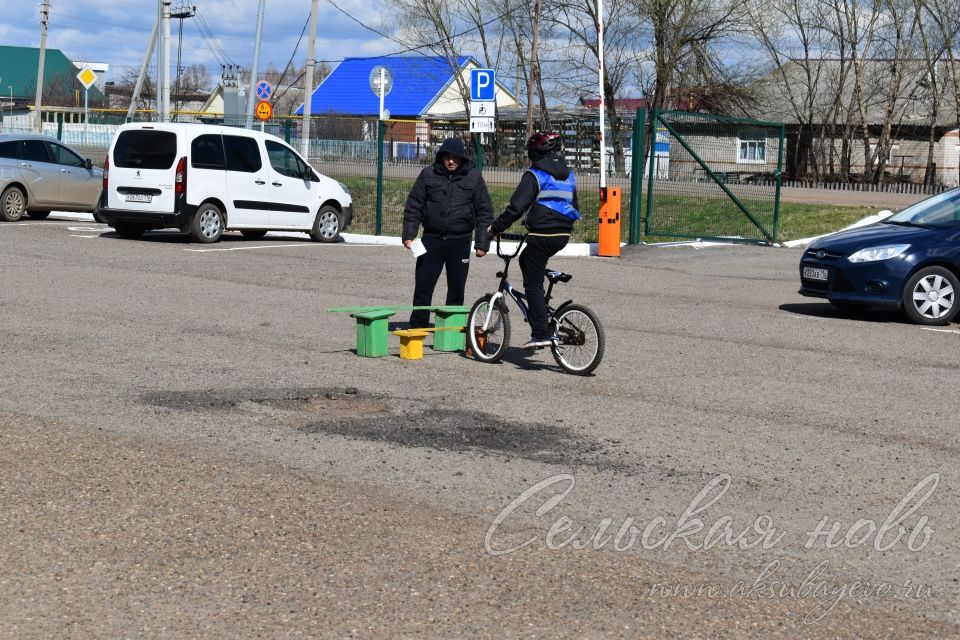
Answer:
[(373, 336)]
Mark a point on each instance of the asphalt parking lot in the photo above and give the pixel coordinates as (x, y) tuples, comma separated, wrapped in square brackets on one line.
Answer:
[(191, 448)]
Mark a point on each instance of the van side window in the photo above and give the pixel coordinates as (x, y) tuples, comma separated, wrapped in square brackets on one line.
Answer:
[(242, 153), (284, 161), (206, 152)]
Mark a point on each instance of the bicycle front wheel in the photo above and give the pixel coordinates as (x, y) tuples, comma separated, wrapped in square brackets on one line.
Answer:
[(581, 340), (488, 330)]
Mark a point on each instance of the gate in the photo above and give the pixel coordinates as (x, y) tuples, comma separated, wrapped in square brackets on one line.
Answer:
[(713, 178)]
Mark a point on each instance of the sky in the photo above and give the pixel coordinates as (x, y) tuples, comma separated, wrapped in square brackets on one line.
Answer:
[(117, 32)]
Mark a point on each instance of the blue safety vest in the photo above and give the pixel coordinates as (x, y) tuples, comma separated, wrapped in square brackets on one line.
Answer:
[(556, 194)]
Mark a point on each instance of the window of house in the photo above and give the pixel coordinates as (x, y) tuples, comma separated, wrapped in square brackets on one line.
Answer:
[(892, 156), (751, 149)]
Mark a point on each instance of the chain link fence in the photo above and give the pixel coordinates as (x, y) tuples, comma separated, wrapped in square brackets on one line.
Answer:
[(346, 149)]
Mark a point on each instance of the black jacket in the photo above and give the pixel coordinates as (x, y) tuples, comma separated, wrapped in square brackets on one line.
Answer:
[(449, 205), (540, 219)]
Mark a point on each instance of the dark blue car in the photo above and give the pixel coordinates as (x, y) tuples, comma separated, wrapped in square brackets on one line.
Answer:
[(909, 261)]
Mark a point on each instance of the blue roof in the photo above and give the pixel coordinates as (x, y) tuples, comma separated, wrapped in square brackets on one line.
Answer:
[(417, 82)]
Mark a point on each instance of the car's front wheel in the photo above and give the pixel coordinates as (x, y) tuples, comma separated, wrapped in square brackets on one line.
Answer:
[(13, 203), (929, 297), (327, 225), (207, 224)]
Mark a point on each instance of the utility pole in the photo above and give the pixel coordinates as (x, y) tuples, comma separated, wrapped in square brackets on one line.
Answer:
[(143, 70), (251, 95), (181, 13), (44, 17), (165, 61), (534, 66), (308, 82)]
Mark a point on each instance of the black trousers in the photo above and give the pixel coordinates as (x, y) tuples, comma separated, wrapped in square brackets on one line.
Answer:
[(533, 263), (452, 254)]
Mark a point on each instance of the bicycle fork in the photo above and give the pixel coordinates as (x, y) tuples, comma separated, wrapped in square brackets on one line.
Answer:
[(496, 297)]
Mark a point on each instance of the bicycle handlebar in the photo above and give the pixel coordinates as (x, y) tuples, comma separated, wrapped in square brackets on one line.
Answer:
[(516, 237)]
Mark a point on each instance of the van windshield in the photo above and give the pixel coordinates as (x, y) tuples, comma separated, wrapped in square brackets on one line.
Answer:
[(145, 149)]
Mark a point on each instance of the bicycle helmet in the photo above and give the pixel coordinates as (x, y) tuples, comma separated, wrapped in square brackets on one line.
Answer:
[(544, 142)]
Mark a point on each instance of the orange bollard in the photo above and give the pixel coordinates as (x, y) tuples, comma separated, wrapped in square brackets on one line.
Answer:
[(608, 236)]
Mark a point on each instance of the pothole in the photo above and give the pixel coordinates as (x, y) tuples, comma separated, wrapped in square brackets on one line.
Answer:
[(472, 431), (332, 402)]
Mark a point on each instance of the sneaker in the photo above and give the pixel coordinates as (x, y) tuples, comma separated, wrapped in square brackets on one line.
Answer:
[(539, 343)]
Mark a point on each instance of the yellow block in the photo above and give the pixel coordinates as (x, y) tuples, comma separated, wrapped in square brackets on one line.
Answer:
[(411, 343)]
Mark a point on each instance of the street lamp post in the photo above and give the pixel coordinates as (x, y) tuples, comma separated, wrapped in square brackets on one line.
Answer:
[(10, 86)]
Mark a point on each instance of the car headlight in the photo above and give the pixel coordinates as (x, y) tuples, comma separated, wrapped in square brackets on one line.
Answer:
[(872, 254), (344, 187)]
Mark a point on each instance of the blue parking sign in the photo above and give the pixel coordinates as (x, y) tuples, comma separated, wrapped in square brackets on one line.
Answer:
[(482, 84)]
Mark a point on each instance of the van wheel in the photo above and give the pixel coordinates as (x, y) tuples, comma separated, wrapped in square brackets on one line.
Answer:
[(207, 225), (253, 234), (128, 230), (327, 225), (13, 202), (38, 215)]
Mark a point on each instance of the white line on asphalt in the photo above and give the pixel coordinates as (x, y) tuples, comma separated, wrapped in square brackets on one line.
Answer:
[(76, 235), (86, 228), (30, 224), (274, 246), (941, 330)]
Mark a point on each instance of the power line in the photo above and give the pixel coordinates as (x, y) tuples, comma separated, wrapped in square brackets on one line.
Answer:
[(423, 46)]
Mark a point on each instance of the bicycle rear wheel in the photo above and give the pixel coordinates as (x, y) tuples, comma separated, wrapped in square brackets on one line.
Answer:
[(581, 340), (488, 345)]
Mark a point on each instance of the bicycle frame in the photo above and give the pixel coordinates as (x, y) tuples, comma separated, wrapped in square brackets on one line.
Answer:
[(506, 288)]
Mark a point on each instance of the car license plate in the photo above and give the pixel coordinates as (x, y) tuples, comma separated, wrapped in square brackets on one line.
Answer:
[(139, 197), (815, 274)]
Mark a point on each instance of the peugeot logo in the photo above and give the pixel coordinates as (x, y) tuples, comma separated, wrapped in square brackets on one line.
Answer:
[(138, 173), (821, 254)]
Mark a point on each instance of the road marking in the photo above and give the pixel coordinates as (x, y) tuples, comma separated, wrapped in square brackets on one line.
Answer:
[(76, 235), (29, 224), (941, 330), (274, 246), (86, 228)]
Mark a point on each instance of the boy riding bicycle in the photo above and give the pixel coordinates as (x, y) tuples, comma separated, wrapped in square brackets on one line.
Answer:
[(546, 198)]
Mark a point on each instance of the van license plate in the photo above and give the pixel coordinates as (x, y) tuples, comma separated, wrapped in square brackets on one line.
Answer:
[(814, 274), (139, 197)]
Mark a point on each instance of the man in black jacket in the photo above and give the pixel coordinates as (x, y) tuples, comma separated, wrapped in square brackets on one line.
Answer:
[(450, 200), (547, 199)]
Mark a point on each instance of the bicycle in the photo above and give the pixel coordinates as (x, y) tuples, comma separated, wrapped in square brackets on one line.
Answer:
[(580, 338)]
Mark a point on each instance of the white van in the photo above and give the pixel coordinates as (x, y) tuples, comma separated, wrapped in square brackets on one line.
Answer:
[(205, 179)]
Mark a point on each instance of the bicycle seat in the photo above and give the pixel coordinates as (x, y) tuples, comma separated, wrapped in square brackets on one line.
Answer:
[(558, 276)]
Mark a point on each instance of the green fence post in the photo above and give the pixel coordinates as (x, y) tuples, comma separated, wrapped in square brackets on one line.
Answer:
[(776, 198), (287, 128), (59, 126), (655, 118), (636, 174), (381, 130), (478, 145)]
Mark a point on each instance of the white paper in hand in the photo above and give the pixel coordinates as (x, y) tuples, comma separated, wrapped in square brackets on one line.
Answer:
[(417, 248)]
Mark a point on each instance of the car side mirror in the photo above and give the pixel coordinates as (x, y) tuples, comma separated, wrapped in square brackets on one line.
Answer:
[(88, 163)]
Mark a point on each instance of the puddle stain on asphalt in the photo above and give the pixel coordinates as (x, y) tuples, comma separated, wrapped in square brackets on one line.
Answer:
[(348, 413)]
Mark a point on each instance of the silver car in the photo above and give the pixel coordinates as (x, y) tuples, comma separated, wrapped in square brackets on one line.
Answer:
[(39, 174)]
